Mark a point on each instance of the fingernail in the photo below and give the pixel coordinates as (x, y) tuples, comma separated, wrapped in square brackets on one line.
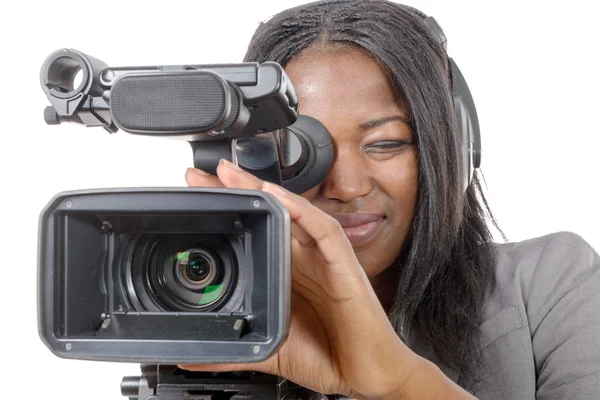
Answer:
[(197, 171), (229, 164), (275, 189)]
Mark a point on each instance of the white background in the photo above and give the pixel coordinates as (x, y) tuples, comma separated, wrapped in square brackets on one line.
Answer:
[(532, 67)]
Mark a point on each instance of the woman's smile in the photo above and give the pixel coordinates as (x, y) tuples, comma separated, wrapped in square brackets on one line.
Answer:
[(360, 227)]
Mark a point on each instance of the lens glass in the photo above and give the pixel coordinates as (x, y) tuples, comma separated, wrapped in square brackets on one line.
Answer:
[(197, 268), (199, 271), (180, 272)]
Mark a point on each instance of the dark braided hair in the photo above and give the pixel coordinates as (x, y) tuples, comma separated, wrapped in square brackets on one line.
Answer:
[(447, 263)]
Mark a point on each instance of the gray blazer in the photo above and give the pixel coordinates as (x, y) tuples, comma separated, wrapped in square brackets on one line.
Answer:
[(541, 329)]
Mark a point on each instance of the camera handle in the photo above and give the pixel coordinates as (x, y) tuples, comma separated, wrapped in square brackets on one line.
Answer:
[(243, 112), (167, 382), (258, 155), (297, 157)]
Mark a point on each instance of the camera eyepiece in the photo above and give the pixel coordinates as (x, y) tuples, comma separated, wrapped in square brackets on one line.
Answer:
[(63, 74), (67, 75)]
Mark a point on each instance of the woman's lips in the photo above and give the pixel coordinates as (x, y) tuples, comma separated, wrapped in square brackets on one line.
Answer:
[(360, 227)]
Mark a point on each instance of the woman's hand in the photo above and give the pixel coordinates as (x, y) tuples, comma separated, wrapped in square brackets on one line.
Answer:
[(340, 339)]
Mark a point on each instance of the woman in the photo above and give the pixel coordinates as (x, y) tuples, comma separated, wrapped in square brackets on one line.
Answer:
[(398, 289)]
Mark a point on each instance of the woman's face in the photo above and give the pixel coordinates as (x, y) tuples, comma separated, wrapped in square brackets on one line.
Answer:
[(372, 186)]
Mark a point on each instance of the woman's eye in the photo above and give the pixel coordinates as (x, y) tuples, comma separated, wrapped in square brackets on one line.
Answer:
[(387, 145)]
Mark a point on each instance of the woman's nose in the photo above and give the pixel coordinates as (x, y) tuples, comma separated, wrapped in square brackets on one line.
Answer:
[(348, 178)]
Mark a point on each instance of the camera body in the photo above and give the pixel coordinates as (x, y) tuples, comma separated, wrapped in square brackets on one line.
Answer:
[(167, 276)]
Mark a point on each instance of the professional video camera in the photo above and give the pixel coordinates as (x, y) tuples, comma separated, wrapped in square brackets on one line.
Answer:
[(166, 276)]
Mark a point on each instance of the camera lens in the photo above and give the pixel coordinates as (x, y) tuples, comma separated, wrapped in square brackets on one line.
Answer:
[(200, 276), (180, 272), (197, 267)]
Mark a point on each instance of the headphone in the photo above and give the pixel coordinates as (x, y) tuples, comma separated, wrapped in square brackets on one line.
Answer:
[(464, 107)]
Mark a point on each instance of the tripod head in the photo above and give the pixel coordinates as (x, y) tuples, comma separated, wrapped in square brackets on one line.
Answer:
[(170, 383)]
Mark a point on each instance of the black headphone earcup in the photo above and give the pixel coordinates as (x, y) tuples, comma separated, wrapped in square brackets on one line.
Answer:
[(464, 107), (468, 123)]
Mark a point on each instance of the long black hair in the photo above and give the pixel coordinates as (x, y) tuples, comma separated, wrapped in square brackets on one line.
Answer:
[(447, 262)]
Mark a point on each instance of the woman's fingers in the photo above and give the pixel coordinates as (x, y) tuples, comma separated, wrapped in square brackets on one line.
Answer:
[(302, 237), (311, 227), (228, 176), (268, 366), (214, 367), (197, 178), (263, 366), (234, 177), (329, 271), (322, 228)]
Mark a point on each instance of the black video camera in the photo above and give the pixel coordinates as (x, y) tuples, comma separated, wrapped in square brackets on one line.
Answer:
[(166, 276)]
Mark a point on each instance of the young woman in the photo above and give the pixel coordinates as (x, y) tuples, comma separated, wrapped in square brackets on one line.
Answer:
[(399, 291)]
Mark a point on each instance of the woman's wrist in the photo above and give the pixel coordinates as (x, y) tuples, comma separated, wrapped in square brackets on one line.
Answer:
[(408, 377), (399, 367), (427, 382), (419, 379)]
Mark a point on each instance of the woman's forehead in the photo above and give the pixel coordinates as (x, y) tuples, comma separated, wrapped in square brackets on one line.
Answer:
[(347, 76)]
